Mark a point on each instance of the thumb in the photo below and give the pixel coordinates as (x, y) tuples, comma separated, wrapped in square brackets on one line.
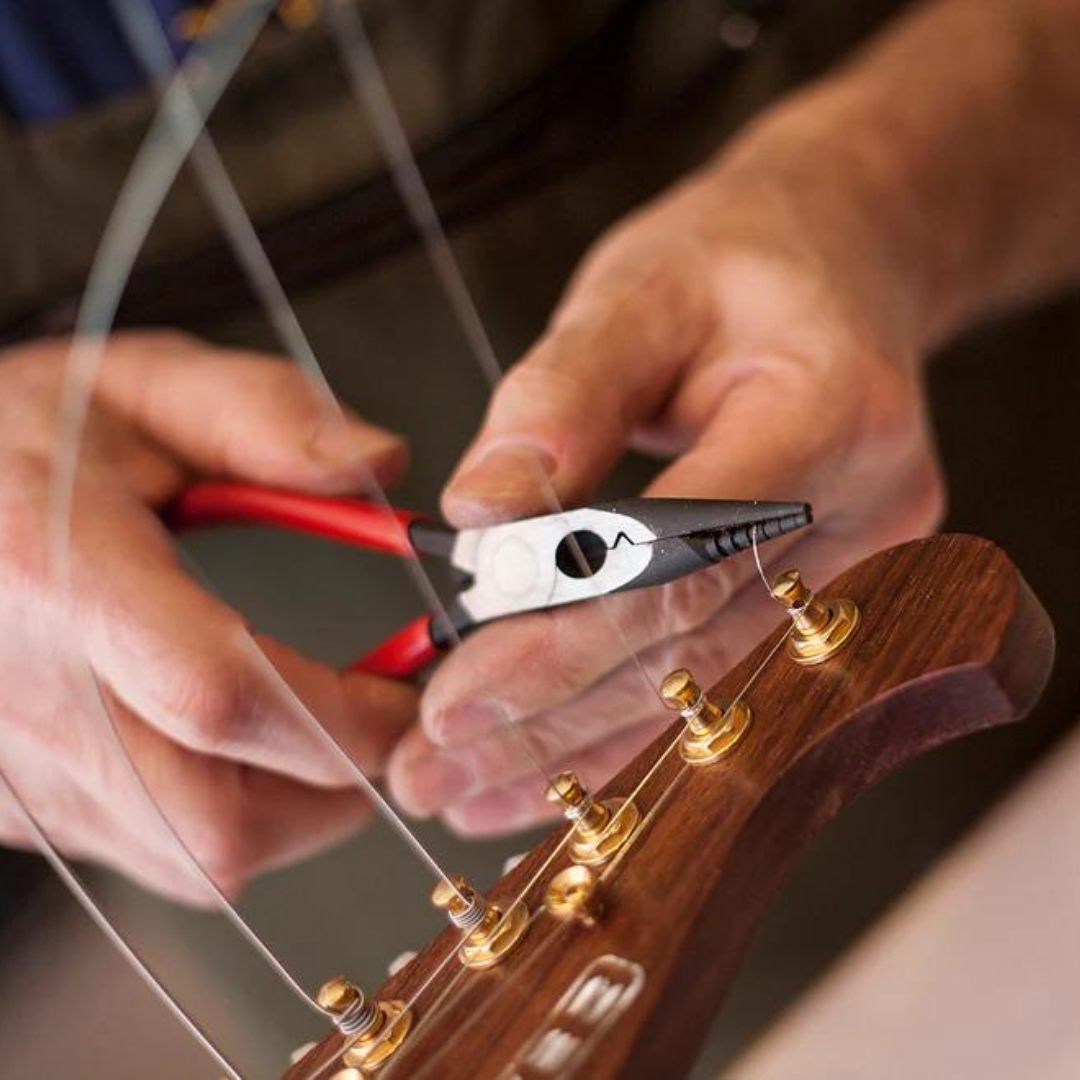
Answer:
[(243, 414), (563, 416)]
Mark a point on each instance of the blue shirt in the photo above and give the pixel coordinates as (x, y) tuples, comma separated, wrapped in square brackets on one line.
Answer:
[(57, 56)]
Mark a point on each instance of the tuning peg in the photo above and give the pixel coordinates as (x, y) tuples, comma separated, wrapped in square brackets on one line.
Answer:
[(574, 893), (712, 730), (821, 627), (601, 829), (376, 1028), (490, 932)]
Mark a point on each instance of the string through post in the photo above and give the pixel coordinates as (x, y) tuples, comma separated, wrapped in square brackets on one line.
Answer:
[(757, 560), (609, 868)]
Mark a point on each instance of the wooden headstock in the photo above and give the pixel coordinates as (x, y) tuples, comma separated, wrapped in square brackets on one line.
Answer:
[(949, 640)]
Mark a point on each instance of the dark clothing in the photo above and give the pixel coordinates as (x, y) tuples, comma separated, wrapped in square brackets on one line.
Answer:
[(58, 56)]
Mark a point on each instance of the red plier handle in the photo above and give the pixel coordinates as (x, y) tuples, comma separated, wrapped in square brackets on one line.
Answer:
[(352, 521)]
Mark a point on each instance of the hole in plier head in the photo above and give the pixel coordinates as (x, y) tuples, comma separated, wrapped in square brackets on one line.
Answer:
[(581, 554)]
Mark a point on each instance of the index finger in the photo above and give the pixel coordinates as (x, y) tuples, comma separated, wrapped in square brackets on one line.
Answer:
[(187, 663), (753, 449)]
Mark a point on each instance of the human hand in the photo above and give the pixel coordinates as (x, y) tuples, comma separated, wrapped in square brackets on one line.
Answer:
[(217, 735), (745, 326)]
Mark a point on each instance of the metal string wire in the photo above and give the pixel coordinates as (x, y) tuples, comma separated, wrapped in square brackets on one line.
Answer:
[(649, 816), (152, 174), (82, 895), (181, 109), (757, 560), (85, 361), (370, 89), (129, 222)]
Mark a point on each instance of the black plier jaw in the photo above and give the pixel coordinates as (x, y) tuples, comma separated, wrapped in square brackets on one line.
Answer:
[(562, 558)]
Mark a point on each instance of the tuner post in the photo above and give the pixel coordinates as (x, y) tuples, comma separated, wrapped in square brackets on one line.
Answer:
[(601, 828), (712, 730), (490, 933), (375, 1029), (820, 628)]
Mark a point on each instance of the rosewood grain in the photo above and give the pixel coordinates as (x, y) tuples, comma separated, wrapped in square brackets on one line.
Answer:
[(952, 640)]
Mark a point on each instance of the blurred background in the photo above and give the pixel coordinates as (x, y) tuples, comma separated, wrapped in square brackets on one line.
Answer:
[(1005, 415)]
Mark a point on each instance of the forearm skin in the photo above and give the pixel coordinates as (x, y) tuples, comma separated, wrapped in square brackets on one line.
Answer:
[(948, 153)]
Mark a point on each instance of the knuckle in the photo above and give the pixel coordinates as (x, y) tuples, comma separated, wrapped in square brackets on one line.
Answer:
[(288, 383), (222, 838), (208, 703), (542, 378), (227, 855)]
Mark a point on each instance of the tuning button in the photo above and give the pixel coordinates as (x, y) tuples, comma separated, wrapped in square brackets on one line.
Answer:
[(338, 996), (574, 893), (601, 828), (712, 729), (820, 628), (490, 933)]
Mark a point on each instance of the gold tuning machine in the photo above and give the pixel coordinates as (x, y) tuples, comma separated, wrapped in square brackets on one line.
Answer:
[(490, 932), (375, 1029), (601, 829), (574, 893), (821, 627), (711, 729)]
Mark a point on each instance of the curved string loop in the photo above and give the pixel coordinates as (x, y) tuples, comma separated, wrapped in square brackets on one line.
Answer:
[(370, 89), (176, 131)]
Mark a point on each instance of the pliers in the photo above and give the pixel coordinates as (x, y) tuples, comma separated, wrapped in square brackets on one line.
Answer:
[(529, 565)]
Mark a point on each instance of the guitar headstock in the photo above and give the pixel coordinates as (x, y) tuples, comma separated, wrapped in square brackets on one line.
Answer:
[(612, 944)]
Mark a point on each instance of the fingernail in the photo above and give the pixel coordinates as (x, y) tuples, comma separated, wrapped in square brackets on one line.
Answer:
[(440, 779), (463, 723), (507, 472), (340, 445)]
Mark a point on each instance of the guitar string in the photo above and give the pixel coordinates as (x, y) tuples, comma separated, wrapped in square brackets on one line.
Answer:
[(132, 214), (650, 814), (370, 89), (421, 1069), (757, 561), (93, 909), (653, 811), (271, 310), (151, 46), (181, 109), (132, 19), (664, 795), (517, 900)]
